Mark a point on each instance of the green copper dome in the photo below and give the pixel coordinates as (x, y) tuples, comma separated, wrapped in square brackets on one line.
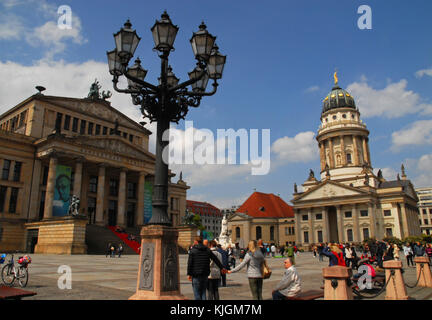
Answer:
[(338, 98)]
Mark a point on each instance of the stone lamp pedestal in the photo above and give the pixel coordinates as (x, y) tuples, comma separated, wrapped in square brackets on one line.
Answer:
[(395, 289), (158, 274), (336, 283)]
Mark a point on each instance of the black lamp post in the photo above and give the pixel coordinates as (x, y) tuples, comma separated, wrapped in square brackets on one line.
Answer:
[(168, 101)]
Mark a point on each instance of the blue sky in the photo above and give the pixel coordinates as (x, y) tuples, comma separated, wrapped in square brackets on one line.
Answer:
[(281, 59)]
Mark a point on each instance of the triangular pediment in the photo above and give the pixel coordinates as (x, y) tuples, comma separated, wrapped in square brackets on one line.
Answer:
[(329, 189), (239, 216), (99, 109), (115, 145)]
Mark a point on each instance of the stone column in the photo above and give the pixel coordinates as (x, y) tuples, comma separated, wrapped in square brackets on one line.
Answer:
[(78, 178), (322, 156), (311, 227), (340, 223), (121, 206), (297, 227), (356, 159), (365, 150), (140, 203), (100, 195), (34, 194), (325, 225), (49, 197), (331, 153), (356, 231), (405, 231), (371, 210), (342, 146)]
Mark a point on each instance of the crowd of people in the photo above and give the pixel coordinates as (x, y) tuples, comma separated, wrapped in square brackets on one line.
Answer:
[(375, 252), (208, 264)]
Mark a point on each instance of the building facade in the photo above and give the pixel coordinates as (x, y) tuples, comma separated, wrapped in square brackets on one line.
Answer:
[(263, 216), (211, 217), (348, 202), (55, 147), (425, 209)]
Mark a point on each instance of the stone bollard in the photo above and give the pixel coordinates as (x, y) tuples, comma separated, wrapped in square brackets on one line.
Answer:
[(395, 289), (423, 270), (336, 285)]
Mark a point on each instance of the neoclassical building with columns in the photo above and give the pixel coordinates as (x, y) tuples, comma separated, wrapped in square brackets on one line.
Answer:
[(348, 202), (55, 147)]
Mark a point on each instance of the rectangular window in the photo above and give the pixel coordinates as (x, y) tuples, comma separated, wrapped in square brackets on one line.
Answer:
[(348, 214), (287, 231), (430, 211), (105, 130), (90, 128), (320, 236), (93, 184), (97, 132), (389, 232), (59, 120), (318, 216), (125, 135), (131, 138), (424, 211), (131, 190), (426, 221), (66, 125), (365, 233), (306, 236), (82, 126), (17, 171), (6, 168), (3, 190), (305, 217), (349, 161), (350, 235), (387, 213), (113, 187), (75, 124), (22, 118), (45, 175), (13, 200), (364, 213)]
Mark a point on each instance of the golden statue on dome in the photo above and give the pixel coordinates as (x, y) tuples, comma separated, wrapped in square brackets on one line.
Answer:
[(336, 80)]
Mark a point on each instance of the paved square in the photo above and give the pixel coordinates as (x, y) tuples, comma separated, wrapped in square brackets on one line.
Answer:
[(98, 277)]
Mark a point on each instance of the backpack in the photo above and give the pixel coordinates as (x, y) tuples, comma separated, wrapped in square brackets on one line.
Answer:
[(340, 259)]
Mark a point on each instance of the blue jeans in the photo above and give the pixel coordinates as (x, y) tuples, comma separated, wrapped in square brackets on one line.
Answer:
[(278, 296), (199, 286)]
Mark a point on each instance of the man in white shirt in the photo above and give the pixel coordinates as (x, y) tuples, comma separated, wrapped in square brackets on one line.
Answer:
[(290, 285)]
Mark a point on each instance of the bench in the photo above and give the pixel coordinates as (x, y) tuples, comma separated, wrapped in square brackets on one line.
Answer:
[(308, 295), (14, 293)]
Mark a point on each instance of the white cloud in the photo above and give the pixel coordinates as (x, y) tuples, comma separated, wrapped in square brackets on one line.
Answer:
[(421, 170), (312, 89), (424, 72), (418, 133), (301, 148), (55, 39), (60, 79), (11, 27), (393, 101)]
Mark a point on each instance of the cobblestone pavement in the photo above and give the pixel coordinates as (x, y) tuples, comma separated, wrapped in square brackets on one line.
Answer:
[(98, 277)]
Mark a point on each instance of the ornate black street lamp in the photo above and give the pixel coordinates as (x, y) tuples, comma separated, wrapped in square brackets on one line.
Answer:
[(168, 101)]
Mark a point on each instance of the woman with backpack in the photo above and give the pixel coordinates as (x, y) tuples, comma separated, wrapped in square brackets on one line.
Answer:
[(335, 255), (254, 260)]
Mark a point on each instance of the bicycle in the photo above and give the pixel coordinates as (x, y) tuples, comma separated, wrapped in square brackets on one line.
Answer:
[(10, 272)]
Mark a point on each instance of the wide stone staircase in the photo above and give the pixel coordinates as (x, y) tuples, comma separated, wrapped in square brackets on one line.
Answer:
[(97, 239)]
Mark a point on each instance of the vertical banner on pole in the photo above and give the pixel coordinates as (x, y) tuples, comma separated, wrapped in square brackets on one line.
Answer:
[(148, 195), (62, 191)]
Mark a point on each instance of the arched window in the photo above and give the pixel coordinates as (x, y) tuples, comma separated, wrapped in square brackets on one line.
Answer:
[(237, 232), (272, 233), (258, 233)]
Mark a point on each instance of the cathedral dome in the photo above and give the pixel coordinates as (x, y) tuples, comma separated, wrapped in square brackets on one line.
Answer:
[(338, 98)]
